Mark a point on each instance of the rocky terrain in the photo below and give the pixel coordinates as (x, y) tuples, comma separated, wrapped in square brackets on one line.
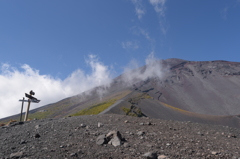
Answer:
[(88, 137), (168, 109)]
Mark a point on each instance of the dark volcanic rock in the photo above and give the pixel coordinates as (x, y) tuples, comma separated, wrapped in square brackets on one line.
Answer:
[(37, 135), (63, 138), (150, 155)]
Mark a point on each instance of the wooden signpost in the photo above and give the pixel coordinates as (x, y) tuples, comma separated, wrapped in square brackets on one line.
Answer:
[(30, 99)]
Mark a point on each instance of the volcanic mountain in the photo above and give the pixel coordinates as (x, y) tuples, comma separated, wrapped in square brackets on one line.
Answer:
[(172, 89)]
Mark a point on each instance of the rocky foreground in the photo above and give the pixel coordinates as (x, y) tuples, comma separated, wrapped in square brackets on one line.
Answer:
[(117, 136)]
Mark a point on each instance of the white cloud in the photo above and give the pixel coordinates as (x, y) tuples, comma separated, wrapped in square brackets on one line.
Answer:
[(140, 31), (130, 45), (159, 7), (140, 11), (133, 74), (145, 34), (15, 82)]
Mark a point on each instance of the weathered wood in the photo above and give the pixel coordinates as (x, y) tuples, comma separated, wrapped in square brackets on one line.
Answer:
[(32, 98), (20, 100), (22, 109), (31, 101), (26, 115)]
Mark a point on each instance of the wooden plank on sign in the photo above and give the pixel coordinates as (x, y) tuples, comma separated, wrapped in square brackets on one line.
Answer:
[(33, 101)]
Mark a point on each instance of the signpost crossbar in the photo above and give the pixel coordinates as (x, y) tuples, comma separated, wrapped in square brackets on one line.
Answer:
[(30, 99), (20, 100)]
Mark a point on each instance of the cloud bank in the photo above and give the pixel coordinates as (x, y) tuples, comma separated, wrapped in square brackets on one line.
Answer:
[(15, 82)]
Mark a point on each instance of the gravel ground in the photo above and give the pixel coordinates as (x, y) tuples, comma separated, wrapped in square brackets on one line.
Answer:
[(75, 137)]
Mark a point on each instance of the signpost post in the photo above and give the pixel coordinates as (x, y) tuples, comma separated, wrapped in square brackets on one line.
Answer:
[(22, 109), (30, 99), (27, 111)]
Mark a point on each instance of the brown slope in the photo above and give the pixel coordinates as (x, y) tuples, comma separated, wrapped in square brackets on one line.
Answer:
[(155, 109)]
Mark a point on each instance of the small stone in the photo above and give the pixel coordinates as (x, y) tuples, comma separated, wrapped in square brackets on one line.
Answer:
[(126, 121), (82, 125), (148, 123), (114, 138), (37, 135), (101, 140), (116, 141), (100, 124), (20, 123), (16, 155), (233, 136), (214, 153), (22, 142), (199, 133), (112, 134), (140, 133), (141, 124), (150, 155), (73, 155), (162, 157), (37, 126)]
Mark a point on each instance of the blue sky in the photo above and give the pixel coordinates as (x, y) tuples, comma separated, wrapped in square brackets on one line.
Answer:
[(57, 36), (55, 39)]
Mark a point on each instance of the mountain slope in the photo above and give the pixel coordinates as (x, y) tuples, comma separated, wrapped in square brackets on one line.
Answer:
[(205, 91)]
